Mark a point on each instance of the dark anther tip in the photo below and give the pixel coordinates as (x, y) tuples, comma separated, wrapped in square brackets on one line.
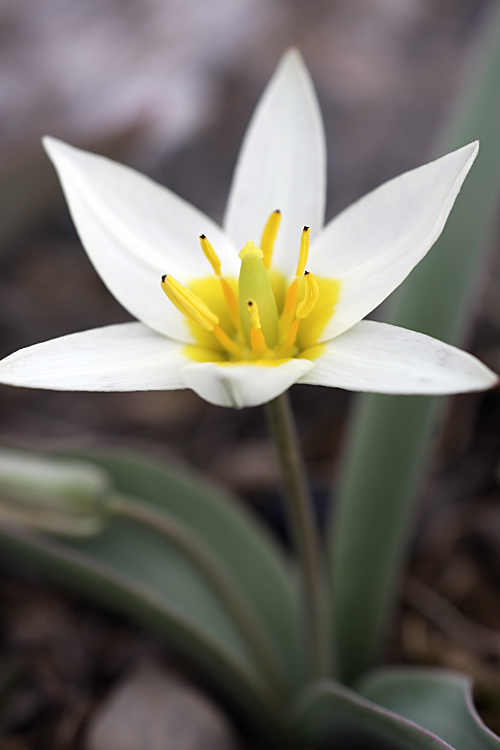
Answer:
[(164, 277), (306, 273), (306, 229), (202, 237), (249, 303), (277, 211)]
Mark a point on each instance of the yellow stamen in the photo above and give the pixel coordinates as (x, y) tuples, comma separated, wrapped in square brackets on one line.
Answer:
[(257, 340), (227, 290), (286, 348), (310, 297), (254, 314), (258, 343), (303, 252), (188, 303), (251, 249), (210, 254), (289, 308), (269, 237), (231, 346), (231, 302)]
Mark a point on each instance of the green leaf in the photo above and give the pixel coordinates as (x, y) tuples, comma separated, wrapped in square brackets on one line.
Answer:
[(124, 590), (390, 436), (437, 700), (144, 567), (252, 557), (330, 715)]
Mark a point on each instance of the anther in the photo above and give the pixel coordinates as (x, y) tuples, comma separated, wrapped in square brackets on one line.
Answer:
[(303, 252), (311, 294), (227, 290), (254, 314), (210, 254), (189, 304), (269, 237)]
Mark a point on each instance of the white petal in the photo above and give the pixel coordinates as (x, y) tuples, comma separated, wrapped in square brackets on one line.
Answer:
[(282, 164), (373, 245), (125, 357), (239, 385), (134, 231), (380, 358)]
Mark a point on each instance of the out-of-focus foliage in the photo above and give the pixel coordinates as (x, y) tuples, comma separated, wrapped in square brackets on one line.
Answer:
[(389, 441)]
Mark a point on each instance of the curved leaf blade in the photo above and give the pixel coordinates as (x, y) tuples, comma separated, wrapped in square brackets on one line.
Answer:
[(331, 715), (438, 700), (250, 554), (79, 572), (389, 442), (158, 566)]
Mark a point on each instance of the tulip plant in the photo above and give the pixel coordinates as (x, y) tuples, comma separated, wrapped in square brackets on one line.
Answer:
[(238, 314)]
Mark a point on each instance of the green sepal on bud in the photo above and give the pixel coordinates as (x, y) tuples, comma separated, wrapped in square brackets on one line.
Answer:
[(59, 496)]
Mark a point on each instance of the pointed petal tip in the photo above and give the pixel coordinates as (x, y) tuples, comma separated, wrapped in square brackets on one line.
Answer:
[(292, 56), (473, 148), (481, 378), (462, 157), (292, 63), (494, 380), (467, 152), (292, 67), (55, 148), (49, 143)]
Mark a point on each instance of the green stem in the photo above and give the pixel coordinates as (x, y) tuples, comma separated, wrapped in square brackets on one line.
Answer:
[(304, 532), (214, 574)]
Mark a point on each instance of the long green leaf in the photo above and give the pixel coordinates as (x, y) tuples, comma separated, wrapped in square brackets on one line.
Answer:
[(437, 700), (252, 557), (331, 715), (123, 590), (389, 440)]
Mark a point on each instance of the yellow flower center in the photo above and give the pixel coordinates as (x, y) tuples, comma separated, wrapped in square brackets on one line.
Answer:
[(257, 317)]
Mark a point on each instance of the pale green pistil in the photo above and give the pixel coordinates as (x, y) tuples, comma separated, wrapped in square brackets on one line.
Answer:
[(254, 284)]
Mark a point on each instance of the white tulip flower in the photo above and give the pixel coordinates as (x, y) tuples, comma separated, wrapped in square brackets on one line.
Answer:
[(272, 298)]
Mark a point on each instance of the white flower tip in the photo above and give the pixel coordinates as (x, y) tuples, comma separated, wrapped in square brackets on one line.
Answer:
[(473, 147), (292, 65), (57, 149), (491, 379), (468, 152), (463, 158), (479, 377), (51, 144), (292, 56)]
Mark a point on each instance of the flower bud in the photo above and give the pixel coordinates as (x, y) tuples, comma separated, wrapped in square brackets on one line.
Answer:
[(61, 496)]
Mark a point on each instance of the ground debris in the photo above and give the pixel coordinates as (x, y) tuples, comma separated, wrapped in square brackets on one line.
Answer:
[(155, 710)]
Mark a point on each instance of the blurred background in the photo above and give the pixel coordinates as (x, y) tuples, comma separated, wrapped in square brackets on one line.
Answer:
[(168, 86)]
